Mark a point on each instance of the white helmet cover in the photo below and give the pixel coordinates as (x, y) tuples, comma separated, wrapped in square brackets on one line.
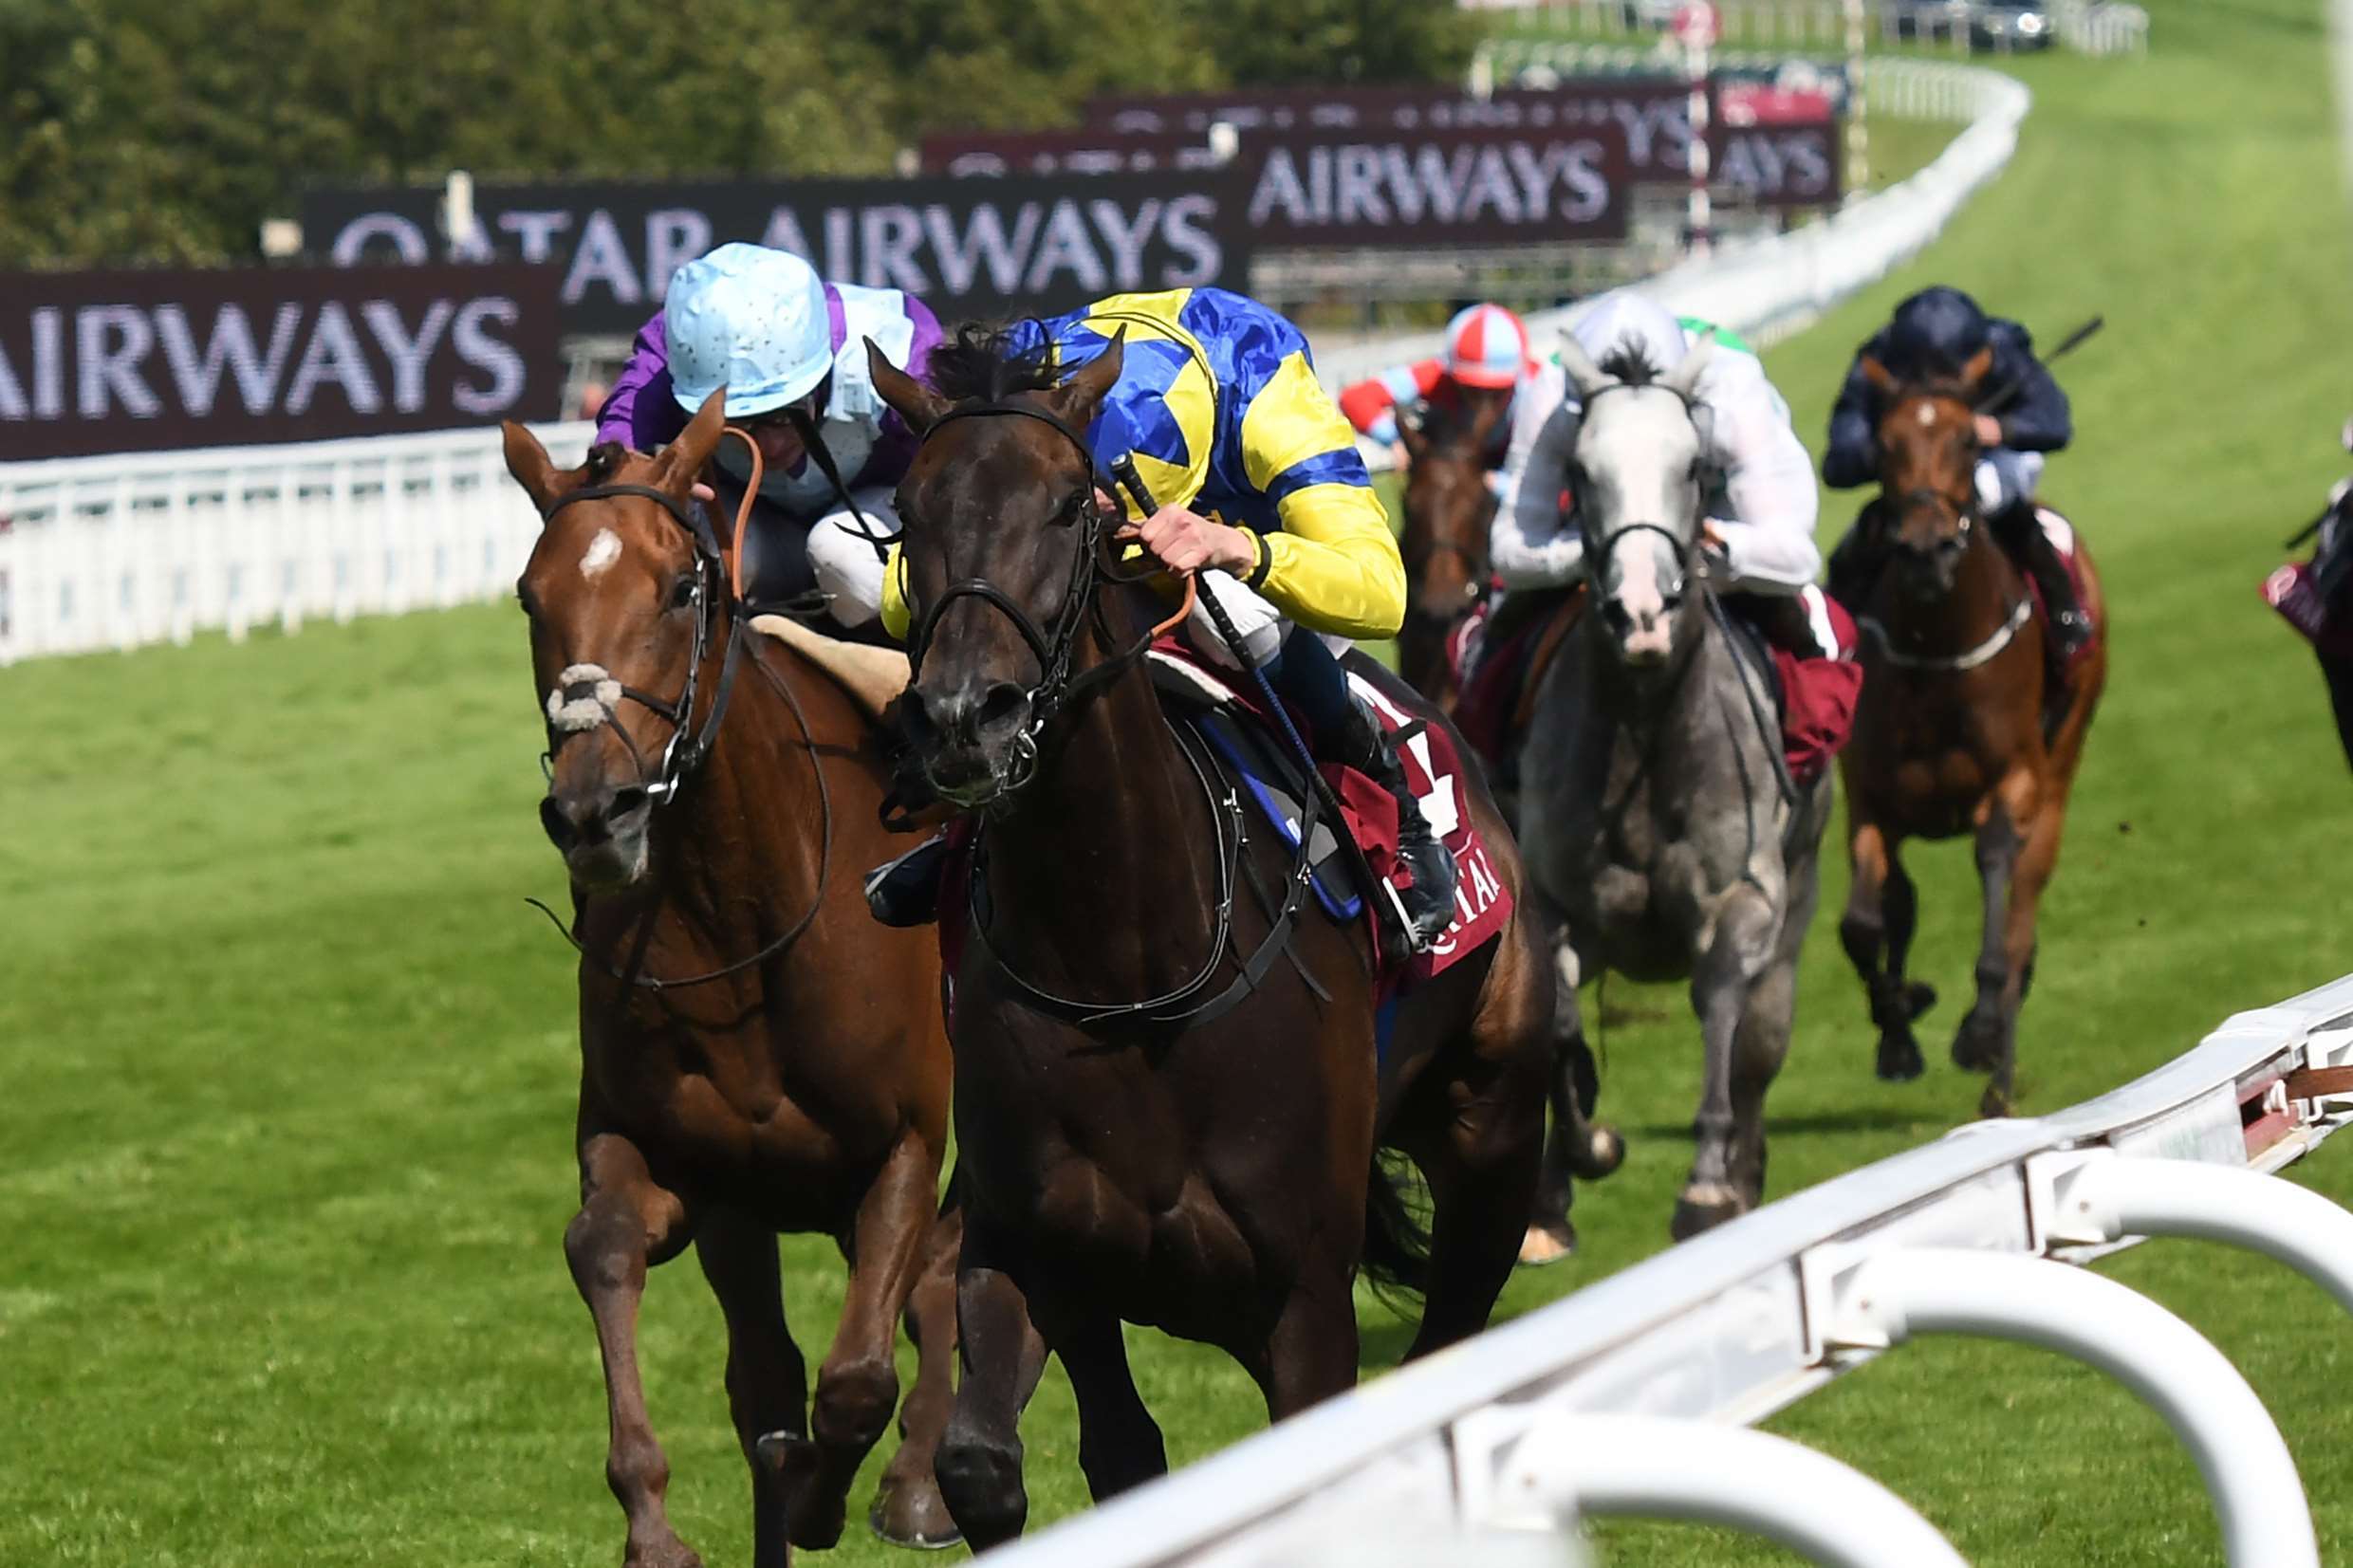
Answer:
[(750, 319)]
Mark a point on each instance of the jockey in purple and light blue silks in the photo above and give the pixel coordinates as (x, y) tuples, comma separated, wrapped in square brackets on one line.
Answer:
[(789, 348)]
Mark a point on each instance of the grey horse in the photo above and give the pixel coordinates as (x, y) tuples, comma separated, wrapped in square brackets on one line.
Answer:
[(1661, 830)]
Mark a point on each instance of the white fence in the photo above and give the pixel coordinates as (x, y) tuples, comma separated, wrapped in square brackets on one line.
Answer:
[(114, 552), (2090, 27), (1621, 1398), (117, 552)]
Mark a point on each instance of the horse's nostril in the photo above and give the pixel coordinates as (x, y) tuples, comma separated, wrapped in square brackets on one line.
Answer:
[(1003, 705), (558, 826), (627, 801)]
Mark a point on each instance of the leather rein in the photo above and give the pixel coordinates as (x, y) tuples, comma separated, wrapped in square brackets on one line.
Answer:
[(1056, 692)]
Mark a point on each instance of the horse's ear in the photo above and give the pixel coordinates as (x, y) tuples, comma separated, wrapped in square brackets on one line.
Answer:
[(684, 457), (1586, 376), (1882, 379), (1978, 367), (530, 463), (915, 402), (1411, 435), (1684, 380), (1077, 398)]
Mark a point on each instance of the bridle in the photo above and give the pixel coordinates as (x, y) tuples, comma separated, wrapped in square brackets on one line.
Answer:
[(717, 595), (1968, 514), (1056, 692), (1054, 647)]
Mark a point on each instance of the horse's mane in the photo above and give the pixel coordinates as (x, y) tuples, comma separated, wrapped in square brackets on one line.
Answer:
[(1630, 362), (603, 458), (982, 362)]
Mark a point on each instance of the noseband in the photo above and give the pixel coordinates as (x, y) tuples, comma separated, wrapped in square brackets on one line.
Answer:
[(680, 755)]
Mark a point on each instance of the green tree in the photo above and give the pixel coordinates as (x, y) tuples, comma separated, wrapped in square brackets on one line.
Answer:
[(1275, 42)]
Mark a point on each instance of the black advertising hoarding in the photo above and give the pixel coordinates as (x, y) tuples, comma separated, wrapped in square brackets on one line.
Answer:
[(1777, 165), (150, 361), (1431, 188), (1083, 152), (968, 247)]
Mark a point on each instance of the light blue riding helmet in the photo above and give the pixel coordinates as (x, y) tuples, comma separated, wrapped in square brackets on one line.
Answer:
[(750, 319)]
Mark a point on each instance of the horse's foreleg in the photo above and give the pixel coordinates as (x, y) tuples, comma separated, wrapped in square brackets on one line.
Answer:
[(908, 1510), (626, 1222), (1311, 1353), (1479, 1151), (1119, 1445), (1876, 926), (1002, 1356), (1983, 1040), (1578, 1146), (766, 1379), (858, 1386), (2036, 861), (1723, 975)]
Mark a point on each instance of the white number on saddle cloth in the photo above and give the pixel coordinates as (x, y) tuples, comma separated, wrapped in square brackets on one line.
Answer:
[(1434, 794)]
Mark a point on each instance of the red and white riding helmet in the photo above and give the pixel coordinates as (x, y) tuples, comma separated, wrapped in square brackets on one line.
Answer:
[(1486, 346)]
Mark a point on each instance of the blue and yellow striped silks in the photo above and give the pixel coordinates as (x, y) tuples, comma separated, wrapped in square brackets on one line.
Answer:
[(1218, 404)]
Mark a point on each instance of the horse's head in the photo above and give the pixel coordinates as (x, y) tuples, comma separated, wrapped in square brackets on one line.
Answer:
[(625, 601), (1448, 504), (1639, 476), (999, 546), (1928, 471)]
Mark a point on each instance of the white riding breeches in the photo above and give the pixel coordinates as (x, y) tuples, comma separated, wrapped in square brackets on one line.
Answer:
[(847, 565), (1259, 623), (2006, 478)]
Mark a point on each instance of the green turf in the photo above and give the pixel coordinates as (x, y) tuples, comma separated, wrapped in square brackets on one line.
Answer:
[(288, 1066)]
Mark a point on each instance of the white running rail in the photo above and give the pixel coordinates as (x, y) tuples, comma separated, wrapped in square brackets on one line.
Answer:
[(116, 552), (1601, 1402)]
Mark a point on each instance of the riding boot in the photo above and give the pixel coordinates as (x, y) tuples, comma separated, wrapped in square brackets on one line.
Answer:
[(2069, 627), (1430, 902), (904, 891)]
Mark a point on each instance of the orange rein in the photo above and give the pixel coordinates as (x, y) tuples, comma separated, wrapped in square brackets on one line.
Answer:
[(1193, 592), (743, 507)]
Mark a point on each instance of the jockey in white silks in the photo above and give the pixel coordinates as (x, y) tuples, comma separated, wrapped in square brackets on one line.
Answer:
[(1759, 531)]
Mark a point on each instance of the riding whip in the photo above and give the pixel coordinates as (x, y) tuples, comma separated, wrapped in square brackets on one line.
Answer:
[(2067, 345), (1326, 799)]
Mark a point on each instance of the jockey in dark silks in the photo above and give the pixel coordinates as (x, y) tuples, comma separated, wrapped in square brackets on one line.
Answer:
[(1933, 335)]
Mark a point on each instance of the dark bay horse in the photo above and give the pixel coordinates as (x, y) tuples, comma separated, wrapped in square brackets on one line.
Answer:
[(1448, 507), (714, 797), (1956, 732), (1654, 813), (1122, 1157)]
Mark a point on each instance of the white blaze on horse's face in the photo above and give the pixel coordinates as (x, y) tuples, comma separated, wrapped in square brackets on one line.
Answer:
[(603, 551), (1639, 456)]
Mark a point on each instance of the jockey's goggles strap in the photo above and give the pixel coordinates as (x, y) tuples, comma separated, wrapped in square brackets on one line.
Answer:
[(804, 425)]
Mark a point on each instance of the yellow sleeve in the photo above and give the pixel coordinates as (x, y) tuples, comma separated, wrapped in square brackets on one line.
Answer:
[(1334, 567), (895, 618)]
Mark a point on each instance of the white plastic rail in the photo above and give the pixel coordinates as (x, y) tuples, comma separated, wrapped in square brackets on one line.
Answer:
[(1737, 1323)]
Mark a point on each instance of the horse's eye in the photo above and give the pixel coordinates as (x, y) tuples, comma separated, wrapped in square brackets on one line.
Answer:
[(682, 591), (1073, 510)]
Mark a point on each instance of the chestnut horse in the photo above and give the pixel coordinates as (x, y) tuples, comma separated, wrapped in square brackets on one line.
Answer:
[(1166, 1109), (1448, 507), (757, 1054), (1956, 732)]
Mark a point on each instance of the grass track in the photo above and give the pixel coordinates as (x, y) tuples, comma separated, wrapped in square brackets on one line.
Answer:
[(284, 1142)]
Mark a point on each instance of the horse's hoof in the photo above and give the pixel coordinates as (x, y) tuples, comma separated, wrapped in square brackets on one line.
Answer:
[(795, 1461), (1551, 1242), (913, 1515), (1900, 1057), (1995, 1102), (1604, 1151), (1703, 1207), (1978, 1047), (982, 1487), (673, 1552), (1918, 996)]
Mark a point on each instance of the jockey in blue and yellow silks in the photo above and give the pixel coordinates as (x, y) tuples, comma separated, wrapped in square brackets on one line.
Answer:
[(1256, 471)]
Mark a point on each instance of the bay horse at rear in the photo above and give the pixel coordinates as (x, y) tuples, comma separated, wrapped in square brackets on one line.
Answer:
[(1965, 727), (1448, 505), (757, 1054)]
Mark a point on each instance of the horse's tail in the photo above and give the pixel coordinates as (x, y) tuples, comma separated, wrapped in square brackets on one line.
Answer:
[(1397, 1239)]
